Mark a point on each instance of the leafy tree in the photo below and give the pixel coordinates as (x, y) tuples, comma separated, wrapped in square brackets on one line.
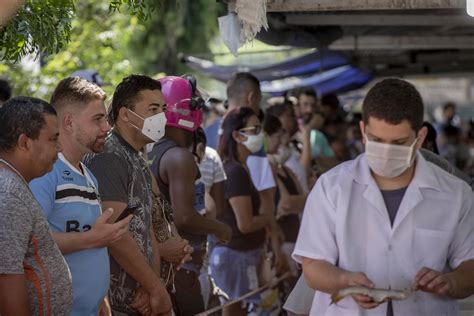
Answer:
[(181, 26), (44, 26)]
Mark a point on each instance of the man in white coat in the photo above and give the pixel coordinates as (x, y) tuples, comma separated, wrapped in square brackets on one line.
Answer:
[(389, 219)]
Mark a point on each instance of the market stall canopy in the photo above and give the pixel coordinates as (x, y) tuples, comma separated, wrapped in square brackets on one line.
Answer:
[(325, 71)]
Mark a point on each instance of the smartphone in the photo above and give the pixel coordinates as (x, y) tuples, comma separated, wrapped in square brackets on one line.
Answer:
[(126, 212)]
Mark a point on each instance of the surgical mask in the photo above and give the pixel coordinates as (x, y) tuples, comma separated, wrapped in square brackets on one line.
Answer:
[(153, 126), (254, 142), (282, 156), (387, 160)]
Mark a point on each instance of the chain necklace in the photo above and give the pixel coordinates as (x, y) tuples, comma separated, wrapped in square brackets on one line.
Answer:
[(15, 170)]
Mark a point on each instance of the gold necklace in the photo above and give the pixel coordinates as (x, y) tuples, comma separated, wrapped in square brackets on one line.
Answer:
[(15, 170)]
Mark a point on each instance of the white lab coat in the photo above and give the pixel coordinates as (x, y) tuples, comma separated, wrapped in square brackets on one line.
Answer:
[(346, 222)]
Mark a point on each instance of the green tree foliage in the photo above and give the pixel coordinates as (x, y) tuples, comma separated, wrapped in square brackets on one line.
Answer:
[(39, 26), (113, 38), (181, 26)]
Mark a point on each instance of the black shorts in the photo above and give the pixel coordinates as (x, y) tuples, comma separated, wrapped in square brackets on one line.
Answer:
[(188, 297)]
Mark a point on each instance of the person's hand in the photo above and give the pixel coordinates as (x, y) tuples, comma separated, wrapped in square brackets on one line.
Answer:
[(160, 301), (360, 279), (105, 309), (141, 302), (187, 251), (103, 233), (284, 206), (432, 281), (224, 233), (175, 250), (281, 263)]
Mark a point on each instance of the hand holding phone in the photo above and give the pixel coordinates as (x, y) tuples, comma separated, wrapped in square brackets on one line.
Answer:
[(128, 211)]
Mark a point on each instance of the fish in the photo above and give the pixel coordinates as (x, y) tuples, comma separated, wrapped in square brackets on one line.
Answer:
[(377, 295)]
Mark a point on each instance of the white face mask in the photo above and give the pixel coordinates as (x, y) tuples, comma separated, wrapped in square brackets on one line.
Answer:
[(254, 142), (282, 156), (387, 160), (153, 126)]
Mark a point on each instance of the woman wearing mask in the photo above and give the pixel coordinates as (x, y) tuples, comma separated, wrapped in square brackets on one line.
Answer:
[(289, 197), (234, 265)]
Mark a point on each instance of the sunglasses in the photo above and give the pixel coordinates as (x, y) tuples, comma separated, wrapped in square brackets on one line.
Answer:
[(256, 129)]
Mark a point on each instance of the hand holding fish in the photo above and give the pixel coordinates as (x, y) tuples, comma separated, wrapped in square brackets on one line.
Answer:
[(359, 279), (432, 281), (364, 294)]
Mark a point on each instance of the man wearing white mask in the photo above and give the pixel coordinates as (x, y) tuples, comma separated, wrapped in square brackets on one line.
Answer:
[(125, 184), (389, 219)]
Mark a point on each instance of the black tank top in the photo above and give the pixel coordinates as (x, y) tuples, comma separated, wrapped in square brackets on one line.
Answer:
[(158, 151), (198, 242)]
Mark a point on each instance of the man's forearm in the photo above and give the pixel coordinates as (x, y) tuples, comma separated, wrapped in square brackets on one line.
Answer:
[(463, 280), (13, 295), (194, 223), (156, 255), (72, 242), (131, 259), (324, 276)]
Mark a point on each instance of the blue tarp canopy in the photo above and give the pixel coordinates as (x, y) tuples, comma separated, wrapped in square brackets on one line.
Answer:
[(325, 71)]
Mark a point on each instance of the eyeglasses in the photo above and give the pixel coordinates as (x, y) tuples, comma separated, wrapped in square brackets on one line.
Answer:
[(255, 129)]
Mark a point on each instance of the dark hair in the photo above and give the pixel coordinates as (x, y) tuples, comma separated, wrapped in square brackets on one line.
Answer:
[(278, 109), (5, 90), (449, 105), (75, 91), (271, 125), (126, 93), (393, 101), (200, 136), (234, 120), (431, 136), (22, 115), (307, 91), (241, 83), (330, 100)]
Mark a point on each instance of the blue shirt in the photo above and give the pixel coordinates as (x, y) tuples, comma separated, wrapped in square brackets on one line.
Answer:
[(212, 134), (70, 202)]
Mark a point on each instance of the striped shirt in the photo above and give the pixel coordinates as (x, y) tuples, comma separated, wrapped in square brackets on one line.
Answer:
[(70, 201), (211, 168)]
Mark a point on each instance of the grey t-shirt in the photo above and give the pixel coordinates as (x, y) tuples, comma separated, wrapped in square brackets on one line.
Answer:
[(123, 175), (392, 199), (28, 248)]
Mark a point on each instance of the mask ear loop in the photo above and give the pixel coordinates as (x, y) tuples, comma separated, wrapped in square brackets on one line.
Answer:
[(412, 149)]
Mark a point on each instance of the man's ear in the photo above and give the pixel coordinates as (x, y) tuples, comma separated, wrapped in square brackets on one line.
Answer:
[(362, 130), (200, 148), (422, 133), (67, 121), (23, 143), (123, 114)]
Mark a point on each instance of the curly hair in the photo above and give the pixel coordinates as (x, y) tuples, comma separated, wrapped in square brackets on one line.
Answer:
[(394, 101), (22, 115)]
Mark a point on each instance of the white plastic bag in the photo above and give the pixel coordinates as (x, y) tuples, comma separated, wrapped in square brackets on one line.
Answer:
[(230, 27)]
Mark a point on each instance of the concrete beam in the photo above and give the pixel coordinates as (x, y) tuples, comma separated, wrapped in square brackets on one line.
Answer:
[(350, 5), (404, 42), (379, 20)]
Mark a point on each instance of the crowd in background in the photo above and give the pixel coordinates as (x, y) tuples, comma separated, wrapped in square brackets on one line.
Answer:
[(213, 191)]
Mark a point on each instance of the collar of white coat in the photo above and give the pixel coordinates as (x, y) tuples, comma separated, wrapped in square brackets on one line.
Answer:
[(424, 176)]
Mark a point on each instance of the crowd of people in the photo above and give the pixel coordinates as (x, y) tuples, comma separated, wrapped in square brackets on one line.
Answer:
[(167, 202)]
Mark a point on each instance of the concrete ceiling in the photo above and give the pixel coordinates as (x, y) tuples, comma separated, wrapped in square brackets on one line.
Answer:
[(389, 36)]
